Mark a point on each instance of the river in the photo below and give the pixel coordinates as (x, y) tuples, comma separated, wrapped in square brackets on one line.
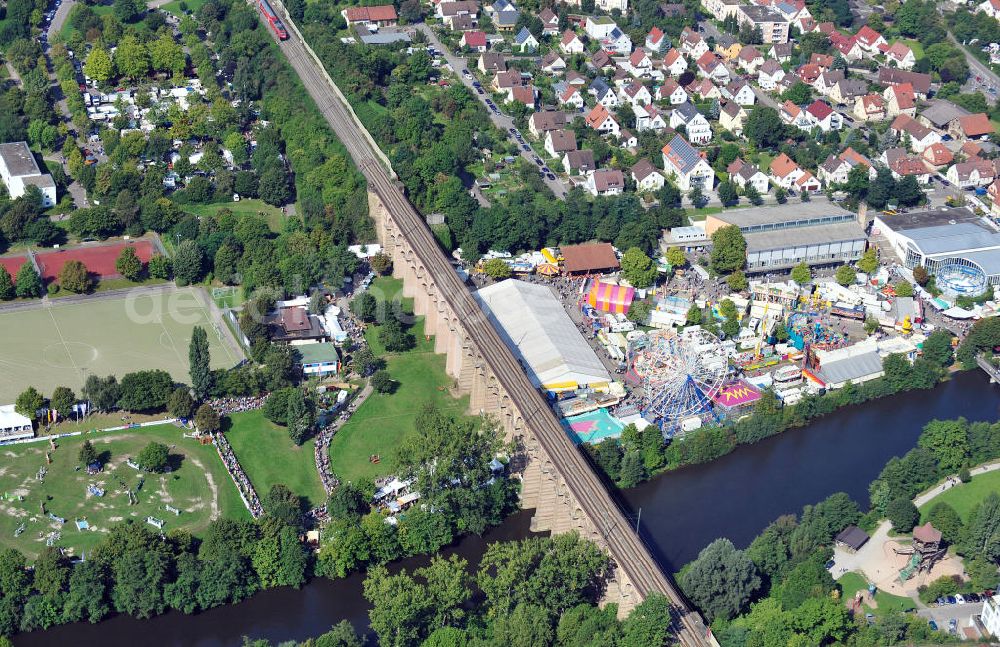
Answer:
[(734, 496)]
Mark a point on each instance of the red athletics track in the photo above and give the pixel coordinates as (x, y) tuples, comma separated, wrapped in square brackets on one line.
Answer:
[(100, 259), (12, 264)]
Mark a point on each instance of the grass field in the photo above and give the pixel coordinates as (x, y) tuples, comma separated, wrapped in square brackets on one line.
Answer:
[(964, 497), (60, 345), (67, 29), (275, 219), (269, 456), (383, 421), (851, 583), (199, 487), (175, 7)]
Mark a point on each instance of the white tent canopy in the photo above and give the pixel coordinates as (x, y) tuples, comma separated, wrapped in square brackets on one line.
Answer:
[(534, 324)]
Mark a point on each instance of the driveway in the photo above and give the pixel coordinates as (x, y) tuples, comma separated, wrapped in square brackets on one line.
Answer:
[(501, 121)]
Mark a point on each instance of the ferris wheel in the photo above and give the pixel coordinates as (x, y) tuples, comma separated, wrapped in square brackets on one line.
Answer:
[(679, 373)]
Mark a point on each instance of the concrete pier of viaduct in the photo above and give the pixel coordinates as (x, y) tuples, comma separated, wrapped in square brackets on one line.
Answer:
[(557, 482)]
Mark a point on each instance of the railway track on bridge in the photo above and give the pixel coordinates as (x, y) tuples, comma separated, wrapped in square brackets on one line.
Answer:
[(625, 546)]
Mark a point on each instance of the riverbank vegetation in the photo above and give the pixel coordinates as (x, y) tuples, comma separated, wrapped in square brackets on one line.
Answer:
[(639, 455), (778, 590)]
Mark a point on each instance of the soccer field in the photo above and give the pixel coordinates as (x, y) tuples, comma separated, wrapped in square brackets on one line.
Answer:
[(62, 344)]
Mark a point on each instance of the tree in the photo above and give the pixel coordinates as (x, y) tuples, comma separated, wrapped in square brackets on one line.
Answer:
[(799, 93), (903, 514), (649, 623), (102, 393), (128, 10), (160, 267), (497, 269), (188, 262), (206, 419), (28, 283), (74, 277), (394, 338), (380, 263), (868, 262), (753, 195), (145, 390), (399, 607), (801, 274), (903, 289), (29, 402), (633, 471), (7, 291), (62, 400), (154, 457), (365, 307), (273, 187), (694, 315), (729, 249), (87, 453), (697, 197), (168, 56), (944, 518), (299, 417), (728, 194), (764, 127), (937, 348), (948, 441), (132, 58), (382, 382), (845, 275), (737, 281), (181, 404), (128, 264), (637, 268), (527, 625), (781, 195), (731, 325), (98, 65), (921, 275), (87, 598), (721, 581), (639, 311), (908, 193), (675, 257), (199, 359)]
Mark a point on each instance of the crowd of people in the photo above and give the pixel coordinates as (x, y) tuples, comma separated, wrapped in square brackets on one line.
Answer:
[(247, 492), (226, 406)]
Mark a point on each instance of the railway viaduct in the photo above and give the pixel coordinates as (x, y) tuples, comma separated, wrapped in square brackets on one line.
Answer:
[(557, 482)]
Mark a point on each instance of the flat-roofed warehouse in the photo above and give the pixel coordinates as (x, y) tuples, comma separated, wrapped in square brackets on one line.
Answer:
[(535, 326), (780, 237)]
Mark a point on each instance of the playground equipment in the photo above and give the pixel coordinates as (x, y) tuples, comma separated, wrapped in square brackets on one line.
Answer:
[(131, 463), (678, 372), (81, 525), (925, 551), (153, 521), (59, 520), (170, 508), (42, 471), (94, 490), (52, 538)]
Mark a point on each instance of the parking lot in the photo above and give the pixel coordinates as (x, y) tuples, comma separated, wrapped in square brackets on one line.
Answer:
[(952, 616)]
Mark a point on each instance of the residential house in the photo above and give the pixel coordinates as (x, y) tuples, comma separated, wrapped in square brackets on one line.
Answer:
[(902, 165), (671, 92), (793, 115), (550, 22), (919, 135), (571, 43), (603, 121), (617, 42), (506, 80), (901, 56), (732, 116), (769, 75), (463, 22), (823, 61), (598, 27), (773, 26), (807, 183), (553, 63), (611, 5), (628, 141), (648, 117), (937, 155), (721, 9), (900, 100), (604, 93), (703, 89), (741, 92), (870, 107), (544, 121), (974, 127), (568, 95), (941, 114), (994, 194), (847, 47), (784, 171), (989, 7), (601, 61), (523, 94), (605, 182), (380, 15), (647, 177), (506, 20), (711, 66), (578, 162), (826, 81), (750, 59), (727, 47), (785, 83), (743, 174), (674, 63), (687, 166), (559, 142), (474, 40), (698, 130), (921, 83), (871, 41), (656, 40), (808, 73), (836, 168), (692, 44), (448, 10), (781, 52), (846, 92), (525, 42), (491, 63), (639, 63)]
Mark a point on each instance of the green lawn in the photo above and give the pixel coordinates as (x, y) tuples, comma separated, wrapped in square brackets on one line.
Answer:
[(269, 456), (851, 583), (275, 219), (176, 9), (916, 46), (964, 497), (383, 421), (66, 32), (199, 487)]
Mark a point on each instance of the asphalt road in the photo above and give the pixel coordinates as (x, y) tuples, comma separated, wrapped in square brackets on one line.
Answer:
[(501, 121), (980, 69)]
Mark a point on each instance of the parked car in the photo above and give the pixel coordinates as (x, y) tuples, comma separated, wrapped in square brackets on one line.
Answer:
[(932, 625), (538, 161), (953, 626), (940, 602), (545, 169), (526, 147), (828, 565), (972, 597), (959, 598), (551, 176), (951, 599)]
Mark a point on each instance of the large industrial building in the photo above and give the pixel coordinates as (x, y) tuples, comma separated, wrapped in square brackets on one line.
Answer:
[(781, 237), (960, 249), (535, 326)]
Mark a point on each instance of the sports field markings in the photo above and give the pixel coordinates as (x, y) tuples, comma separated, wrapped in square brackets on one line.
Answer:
[(159, 319), (216, 328), (65, 345)]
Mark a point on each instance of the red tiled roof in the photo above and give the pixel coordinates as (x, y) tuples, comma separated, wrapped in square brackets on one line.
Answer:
[(372, 14), (976, 125)]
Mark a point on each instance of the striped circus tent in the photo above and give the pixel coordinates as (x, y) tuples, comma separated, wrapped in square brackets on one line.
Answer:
[(608, 297)]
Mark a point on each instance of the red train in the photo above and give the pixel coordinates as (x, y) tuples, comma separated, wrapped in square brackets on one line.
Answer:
[(272, 19)]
